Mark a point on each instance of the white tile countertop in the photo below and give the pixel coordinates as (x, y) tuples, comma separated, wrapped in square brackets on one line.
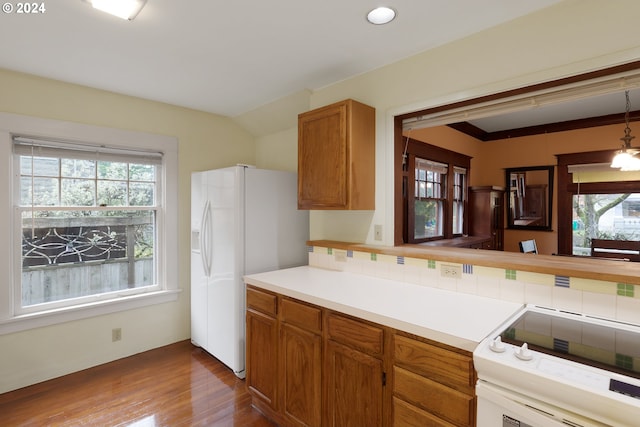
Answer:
[(457, 319)]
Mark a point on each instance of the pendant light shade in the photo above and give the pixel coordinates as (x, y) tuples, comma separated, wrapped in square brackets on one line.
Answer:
[(626, 159)]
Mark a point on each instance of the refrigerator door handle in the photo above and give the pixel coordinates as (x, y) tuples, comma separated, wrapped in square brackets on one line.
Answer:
[(205, 240)]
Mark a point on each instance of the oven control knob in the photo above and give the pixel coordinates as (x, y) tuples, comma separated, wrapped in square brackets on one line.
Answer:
[(523, 353), (496, 345)]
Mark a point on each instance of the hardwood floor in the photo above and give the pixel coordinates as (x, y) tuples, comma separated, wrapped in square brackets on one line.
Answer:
[(176, 385)]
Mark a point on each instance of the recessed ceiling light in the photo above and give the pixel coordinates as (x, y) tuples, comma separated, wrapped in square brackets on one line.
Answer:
[(381, 15)]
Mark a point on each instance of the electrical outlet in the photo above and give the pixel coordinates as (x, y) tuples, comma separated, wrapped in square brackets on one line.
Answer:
[(377, 232), (451, 271), (116, 334)]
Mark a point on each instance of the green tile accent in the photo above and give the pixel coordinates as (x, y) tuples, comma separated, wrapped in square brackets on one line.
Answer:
[(626, 290), (329, 251), (374, 257), (510, 274), (624, 361), (431, 264)]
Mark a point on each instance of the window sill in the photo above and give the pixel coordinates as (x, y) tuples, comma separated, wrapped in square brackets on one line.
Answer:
[(68, 314)]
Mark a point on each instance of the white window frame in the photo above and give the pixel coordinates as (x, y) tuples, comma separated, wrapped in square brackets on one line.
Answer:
[(11, 320)]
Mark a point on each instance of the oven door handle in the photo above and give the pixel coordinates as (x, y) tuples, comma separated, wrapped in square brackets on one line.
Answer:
[(495, 403)]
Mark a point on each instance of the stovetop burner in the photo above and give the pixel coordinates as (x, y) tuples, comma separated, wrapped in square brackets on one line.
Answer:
[(582, 364), (608, 345)]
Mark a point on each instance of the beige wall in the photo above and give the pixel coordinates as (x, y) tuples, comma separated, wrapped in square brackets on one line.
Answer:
[(205, 141), (278, 151)]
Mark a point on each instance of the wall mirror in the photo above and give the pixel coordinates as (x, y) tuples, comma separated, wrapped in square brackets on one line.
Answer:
[(529, 197)]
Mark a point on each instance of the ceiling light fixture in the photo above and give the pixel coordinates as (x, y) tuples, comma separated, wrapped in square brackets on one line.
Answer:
[(381, 15), (626, 159), (125, 9)]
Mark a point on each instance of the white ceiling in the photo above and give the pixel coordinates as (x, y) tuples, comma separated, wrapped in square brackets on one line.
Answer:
[(231, 57)]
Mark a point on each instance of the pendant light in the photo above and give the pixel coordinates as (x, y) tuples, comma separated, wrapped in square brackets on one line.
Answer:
[(626, 159)]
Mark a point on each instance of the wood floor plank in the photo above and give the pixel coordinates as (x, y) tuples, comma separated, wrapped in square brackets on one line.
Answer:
[(178, 385)]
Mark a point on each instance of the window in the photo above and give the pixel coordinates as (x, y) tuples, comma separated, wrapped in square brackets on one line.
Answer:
[(88, 221), (430, 195), (604, 216), (599, 203), (92, 214), (437, 210)]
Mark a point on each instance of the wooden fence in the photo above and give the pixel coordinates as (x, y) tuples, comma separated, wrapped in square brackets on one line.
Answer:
[(54, 283)]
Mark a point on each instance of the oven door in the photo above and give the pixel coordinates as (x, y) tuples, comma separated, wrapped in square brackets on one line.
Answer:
[(499, 407)]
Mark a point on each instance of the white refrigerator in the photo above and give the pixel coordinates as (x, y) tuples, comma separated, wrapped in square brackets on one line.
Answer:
[(243, 220)]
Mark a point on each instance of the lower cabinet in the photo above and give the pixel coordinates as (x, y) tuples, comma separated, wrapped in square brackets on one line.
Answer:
[(355, 372), (311, 366), (354, 387), (301, 363), (432, 383), (262, 352)]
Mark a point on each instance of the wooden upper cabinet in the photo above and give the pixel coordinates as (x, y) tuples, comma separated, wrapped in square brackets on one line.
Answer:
[(336, 157)]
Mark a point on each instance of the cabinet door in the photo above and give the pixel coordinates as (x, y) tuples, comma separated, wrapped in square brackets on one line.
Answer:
[(336, 157), (262, 353), (301, 376), (486, 215), (354, 387), (323, 158)]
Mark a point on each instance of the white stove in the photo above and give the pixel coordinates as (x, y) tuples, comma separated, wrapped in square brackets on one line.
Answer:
[(545, 367)]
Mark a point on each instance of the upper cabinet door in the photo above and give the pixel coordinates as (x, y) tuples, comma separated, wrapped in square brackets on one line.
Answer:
[(336, 157)]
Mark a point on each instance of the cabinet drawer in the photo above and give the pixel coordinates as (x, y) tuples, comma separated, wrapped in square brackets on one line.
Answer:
[(433, 397), (445, 366), (359, 334), (261, 301), (303, 315), (407, 415)]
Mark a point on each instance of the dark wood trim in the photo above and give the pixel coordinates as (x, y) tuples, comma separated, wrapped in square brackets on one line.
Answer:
[(548, 200), (471, 130), (438, 154)]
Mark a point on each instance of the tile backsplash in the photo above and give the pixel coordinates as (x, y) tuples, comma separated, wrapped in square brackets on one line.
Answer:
[(619, 301)]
